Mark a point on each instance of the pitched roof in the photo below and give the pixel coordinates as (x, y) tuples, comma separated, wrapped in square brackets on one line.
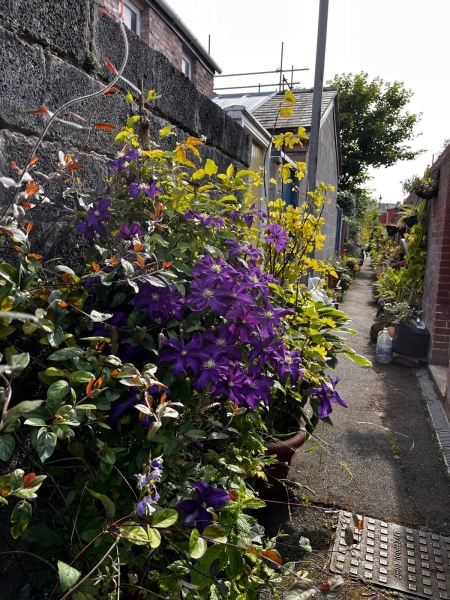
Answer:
[(267, 112), (250, 101)]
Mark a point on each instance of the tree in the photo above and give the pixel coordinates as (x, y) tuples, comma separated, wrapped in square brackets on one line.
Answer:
[(374, 126)]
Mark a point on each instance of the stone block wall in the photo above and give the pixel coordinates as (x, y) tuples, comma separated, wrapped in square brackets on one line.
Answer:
[(51, 52), (161, 37)]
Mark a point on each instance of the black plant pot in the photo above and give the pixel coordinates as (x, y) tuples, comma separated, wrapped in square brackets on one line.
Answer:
[(410, 221), (411, 341)]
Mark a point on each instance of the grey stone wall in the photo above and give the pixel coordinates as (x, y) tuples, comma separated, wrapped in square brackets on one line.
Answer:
[(51, 52)]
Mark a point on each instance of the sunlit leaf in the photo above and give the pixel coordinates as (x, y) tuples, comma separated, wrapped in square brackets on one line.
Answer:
[(106, 126), (68, 576)]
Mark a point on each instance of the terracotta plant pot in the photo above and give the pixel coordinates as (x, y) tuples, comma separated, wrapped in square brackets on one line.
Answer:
[(284, 451)]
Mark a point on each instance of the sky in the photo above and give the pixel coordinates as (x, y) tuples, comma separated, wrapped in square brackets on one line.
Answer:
[(397, 40)]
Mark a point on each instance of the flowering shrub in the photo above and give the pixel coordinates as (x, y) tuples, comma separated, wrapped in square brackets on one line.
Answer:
[(165, 364)]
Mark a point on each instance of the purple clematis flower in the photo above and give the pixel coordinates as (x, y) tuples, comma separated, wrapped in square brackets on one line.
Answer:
[(160, 303), (213, 269), (213, 366), (327, 395), (149, 189), (244, 322), (183, 356), (257, 387), (271, 318), (97, 214), (206, 497), (224, 342), (129, 231), (267, 350), (205, 294), (245, 249), (277, 236), (289, 364), (231, 385), (205, 220)]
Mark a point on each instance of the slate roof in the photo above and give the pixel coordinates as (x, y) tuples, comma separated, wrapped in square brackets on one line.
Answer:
[(267, 112)]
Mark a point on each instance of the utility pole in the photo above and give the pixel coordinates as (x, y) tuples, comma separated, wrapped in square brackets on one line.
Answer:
[(317, 95)]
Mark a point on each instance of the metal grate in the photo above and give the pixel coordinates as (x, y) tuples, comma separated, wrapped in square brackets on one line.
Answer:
[(408, 560)]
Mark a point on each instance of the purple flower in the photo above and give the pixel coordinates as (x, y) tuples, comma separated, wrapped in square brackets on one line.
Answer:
[(118, 163), (267, 350), (160, 303), (257, 387), (143, 507), (129, 231), (207, 295), (97, 214), (118, 408), (245, 249), (183, 356), (204, 219), (277, 236), (213, 366), (271, 318), (206, 497), (230, 386), (327, 395), (150, 190), (224, 342), (245, 321), (142, 480), (213, 269), (289, 364)]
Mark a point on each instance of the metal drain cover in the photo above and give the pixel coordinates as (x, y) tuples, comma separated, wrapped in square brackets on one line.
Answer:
[(412, 561)]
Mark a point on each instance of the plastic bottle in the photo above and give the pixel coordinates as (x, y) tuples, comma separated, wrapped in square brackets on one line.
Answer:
[(384, 347)]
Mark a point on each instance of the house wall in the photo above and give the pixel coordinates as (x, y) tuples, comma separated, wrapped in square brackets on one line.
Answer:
[(436, 296), (161, 37), (52, 52), (328, 172)]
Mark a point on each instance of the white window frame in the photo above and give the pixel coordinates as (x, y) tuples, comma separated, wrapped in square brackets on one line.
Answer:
[(188, 60), (134, 9)]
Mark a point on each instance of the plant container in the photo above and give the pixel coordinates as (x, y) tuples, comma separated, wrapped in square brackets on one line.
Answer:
[(410, 340)]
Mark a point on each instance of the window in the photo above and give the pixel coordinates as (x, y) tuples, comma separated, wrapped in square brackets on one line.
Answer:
[(186, 66), (132, 17)]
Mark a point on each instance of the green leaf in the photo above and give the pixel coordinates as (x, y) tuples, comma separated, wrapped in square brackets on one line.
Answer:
[(134, 534), (7, 445), (132, 120), (359, 360), (20, 516), (216, 533), (20, 409), (108, 504), (80, 377), (16, 364), (210, 167), (304, 544), (154, 537), (58, 390), (65, 354), (46, 442), (165, 131), (35, 422), (197, 545), (86, 407), (68, 576), (199, 174), (235, 562), (165, 518)]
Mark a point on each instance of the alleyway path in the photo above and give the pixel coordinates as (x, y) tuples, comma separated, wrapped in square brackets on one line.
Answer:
[(398, 473)]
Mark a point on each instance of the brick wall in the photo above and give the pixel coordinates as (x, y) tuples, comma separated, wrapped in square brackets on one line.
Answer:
[(161, 37), (436, 298)]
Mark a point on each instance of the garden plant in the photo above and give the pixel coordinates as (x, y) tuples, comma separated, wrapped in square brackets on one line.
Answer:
[(139, 390)]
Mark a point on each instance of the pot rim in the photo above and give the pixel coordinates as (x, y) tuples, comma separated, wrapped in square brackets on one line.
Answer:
[(289, 445)]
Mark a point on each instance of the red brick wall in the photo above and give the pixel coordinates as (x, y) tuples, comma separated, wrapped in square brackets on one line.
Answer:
[(436, 297), (159, 36)]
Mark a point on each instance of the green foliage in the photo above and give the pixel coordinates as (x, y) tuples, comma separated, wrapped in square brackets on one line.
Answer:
[(374, 126)]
